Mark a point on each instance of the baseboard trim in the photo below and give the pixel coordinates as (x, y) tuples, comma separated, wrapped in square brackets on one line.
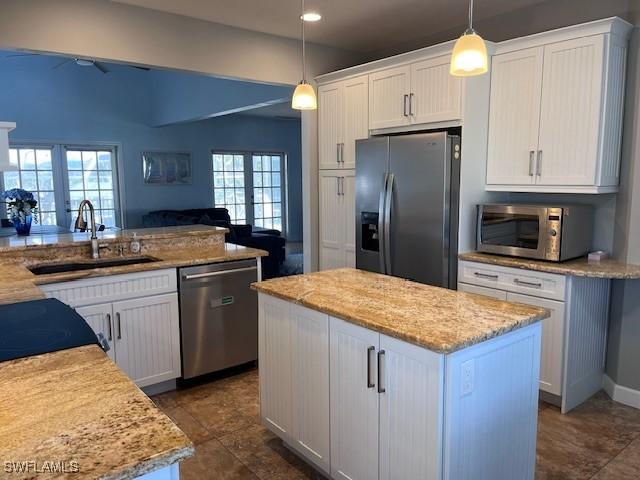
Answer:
[(621, 394)]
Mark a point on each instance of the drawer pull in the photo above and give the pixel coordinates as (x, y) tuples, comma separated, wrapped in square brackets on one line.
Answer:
[(486, 275), (381, 389), (517, 281), (110, 335)]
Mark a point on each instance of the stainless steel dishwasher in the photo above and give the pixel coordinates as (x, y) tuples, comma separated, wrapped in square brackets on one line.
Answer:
[(218, 316)]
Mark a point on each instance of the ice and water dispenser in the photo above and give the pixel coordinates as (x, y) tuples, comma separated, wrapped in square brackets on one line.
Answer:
[(370, 234)]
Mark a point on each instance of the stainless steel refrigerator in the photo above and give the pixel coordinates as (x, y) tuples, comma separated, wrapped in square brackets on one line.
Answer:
[(407, 198)]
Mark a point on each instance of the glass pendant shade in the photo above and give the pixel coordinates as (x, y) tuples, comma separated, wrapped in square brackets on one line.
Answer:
[(469, 56), (304, 97)]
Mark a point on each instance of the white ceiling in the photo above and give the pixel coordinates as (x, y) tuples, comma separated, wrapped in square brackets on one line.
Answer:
[(356, 25)]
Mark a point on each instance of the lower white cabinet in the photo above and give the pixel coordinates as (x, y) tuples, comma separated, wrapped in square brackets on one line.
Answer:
[(138, 315), (337, 225), (361, 405), (573, 337)]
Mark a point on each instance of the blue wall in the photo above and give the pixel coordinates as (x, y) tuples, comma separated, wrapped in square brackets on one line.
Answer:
[(76, 104)]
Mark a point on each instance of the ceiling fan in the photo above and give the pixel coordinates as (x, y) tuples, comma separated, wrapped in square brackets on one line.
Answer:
[(82, 62)]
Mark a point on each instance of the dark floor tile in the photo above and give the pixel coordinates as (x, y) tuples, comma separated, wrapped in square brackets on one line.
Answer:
[(213, 461), (222, 415), (266, 456), (626, 466), (189, 425)]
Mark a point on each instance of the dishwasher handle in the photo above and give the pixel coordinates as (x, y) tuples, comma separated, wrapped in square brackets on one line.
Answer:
[(216, 274)]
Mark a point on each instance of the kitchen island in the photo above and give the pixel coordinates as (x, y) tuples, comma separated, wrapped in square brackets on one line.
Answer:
[(370, 376)]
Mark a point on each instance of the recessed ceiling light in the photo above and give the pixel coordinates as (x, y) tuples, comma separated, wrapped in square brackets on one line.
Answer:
[(311, 17)]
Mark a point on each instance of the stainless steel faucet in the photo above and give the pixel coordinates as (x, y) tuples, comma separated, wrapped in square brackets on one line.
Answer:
[(81, 224)]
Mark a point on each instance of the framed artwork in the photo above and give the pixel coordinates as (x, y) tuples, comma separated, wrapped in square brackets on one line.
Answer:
[(166, 168)]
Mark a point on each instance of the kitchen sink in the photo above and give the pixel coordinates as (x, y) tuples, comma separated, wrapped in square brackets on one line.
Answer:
[(44, 269)]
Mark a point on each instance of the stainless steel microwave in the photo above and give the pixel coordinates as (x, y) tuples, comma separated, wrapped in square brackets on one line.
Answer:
[(553, 233)]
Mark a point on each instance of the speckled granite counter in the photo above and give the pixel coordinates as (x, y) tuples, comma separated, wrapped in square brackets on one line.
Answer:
[(102, 421), (173, 247), (435, 318), (579, 267)]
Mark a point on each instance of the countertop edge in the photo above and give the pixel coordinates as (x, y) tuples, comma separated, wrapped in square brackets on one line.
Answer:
[(578, 267), (394, 333), (157, 462)]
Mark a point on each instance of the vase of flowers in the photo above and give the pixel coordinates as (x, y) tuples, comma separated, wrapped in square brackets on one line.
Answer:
[(20, 207)]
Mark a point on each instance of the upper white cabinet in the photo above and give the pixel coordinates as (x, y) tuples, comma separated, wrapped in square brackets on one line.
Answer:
[(417, 93), (555, 122), (342, 119)]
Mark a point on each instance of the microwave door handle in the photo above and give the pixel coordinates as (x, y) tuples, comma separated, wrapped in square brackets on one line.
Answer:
[(381, 210), (387, 223)]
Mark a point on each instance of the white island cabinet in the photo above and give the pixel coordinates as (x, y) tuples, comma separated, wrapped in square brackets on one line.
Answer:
[(362, 405)]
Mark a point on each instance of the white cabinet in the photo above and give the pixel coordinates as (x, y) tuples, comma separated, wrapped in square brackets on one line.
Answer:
[(294, 377), (516, 82), (551, 360), (573, 337), (389, 97), (138, 315), (361, 405), (354, 401), (555, 122), (435, 94), (99, 318), (418, 93), (410, 408), (337, 218), (342, 119), (147, 346)]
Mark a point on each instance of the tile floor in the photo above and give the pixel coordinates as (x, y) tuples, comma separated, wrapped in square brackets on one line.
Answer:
[(599, 440)]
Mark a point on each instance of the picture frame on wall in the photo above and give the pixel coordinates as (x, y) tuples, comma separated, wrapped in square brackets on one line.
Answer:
[(166, 168)]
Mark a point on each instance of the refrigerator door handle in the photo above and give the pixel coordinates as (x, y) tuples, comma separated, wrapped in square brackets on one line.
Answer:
[(387, 223), (381, 210)]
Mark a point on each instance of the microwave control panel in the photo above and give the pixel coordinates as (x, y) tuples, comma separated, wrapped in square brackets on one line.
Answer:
[(554, 227)]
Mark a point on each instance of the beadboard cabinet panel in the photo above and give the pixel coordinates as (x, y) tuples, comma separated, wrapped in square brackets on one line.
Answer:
[(514, 116), (99, 317), (337, 219), (355, 123), (330, 125), (389, 97), (435, 93)]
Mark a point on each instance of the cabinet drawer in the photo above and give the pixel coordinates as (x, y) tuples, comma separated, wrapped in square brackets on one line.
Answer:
[(487, 292), (516, 280), (113, 288)]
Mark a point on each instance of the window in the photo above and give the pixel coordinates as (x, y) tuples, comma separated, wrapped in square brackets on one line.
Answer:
[(228, 185), (251, 187), (60, 177), (267, 191), (90, 175), (35, 174)]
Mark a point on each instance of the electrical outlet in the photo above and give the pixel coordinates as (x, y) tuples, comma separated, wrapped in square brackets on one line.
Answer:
[(467, 377)]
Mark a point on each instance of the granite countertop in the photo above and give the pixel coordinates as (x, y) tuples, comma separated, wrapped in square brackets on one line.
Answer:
[(438, 319), (16, 243), (102, 421), (173, 247), (580, 267)]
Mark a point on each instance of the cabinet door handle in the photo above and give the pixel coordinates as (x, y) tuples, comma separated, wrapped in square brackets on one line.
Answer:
[(119, 325), (370, 384), (486, 275), (337, 153), (381, 389), (517, 281), (411, 95), (342, 153), (109, 330), (539, 163), (404, 106), (531, 155)]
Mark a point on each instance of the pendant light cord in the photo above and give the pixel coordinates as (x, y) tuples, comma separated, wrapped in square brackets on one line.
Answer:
[(470, 29), (304, 69)]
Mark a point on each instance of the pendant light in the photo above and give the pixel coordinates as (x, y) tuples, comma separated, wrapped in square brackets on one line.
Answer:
[(304, 97), (469, 55)]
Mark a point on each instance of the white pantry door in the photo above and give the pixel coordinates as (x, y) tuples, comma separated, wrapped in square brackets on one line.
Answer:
[(348, 213), (411, 409), (355, 117), (330, 118), (514, 117), (354, 401), (331, 228)]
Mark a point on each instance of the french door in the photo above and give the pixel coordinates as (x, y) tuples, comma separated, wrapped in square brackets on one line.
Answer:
[(61, 176), (252, 187)]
